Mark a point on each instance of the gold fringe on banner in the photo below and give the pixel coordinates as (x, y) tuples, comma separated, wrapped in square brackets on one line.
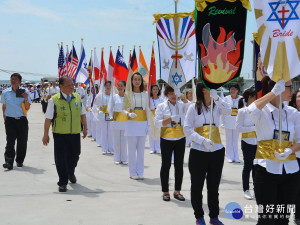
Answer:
[(157, 16), (201, 4)]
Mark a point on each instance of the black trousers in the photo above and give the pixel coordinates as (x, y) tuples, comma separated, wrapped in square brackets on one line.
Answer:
[(167, 148), (44, 106), (66, 154), (209, 166), (274, 190), (16, 129), (249, 155), (297, 214)]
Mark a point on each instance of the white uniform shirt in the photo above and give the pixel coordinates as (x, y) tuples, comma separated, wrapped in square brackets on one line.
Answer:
[(228, 120), (138, 128), (193, 120), (244, 125), (80, 91), (166, 110), (101, 100), (116, 106), (53, 90), (265, 126), (50, 108), (155, 102)]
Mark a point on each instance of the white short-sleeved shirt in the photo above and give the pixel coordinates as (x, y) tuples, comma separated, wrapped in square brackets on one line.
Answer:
[(228, 120), (265, 124), (244, 125)]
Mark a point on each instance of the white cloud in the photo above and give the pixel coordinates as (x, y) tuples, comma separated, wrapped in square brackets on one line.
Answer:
[(23, 7)]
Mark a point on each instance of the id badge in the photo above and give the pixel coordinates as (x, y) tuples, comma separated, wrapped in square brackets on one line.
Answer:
[(234, 111), (285, 135), (138, 108), (174, 124), (107, 118)]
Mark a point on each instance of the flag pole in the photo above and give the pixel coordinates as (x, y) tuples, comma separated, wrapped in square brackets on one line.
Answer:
[(280, 119), (122, 49)]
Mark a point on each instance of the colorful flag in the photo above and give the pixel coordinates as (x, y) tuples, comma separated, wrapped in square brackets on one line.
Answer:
[(90, 69), (130, 57), (120, 68), (82, 73), (69, 63), (74, 64), (96, 68), (111, 64), (133, 62), (220, 34), (278, 25), (177, 47), (65, 66), (103, 72), (143, 68), (152, 72), (61, 60)]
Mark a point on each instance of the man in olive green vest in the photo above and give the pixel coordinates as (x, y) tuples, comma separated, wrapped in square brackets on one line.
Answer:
[(67, 116)]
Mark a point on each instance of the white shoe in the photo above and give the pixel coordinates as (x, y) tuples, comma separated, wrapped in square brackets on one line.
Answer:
[(125, 163), (117, 163), (230, 161), (151, 152), (104, 153), (247, 195), (134, 177)]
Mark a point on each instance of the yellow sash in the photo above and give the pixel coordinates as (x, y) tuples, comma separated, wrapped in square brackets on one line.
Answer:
[(141, 115), (251, 134), (153, 112), (234, 112), (266, 148), (88, 109), (120, 117), (215, 134), (172, 132), (104, 109)]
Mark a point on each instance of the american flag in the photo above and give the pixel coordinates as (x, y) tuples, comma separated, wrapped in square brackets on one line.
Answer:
[(61, 60), (66, 63), (74, 64)]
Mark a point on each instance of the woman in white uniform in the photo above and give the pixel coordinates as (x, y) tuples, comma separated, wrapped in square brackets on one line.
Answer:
[(169, 116), (94, 113), (206, 158), (155, 100), (188, 95), (276, 181), (118, 125), (105, 121), (229, 123), (89, 115), (136, 107), (246, 126)]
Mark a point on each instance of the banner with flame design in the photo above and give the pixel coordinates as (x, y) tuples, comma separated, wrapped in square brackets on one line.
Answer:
[(177, 47), (220, 34), (278, 35)]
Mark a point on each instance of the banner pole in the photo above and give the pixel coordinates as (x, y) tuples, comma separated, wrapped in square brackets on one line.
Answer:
[(211, 116), (280, 119)]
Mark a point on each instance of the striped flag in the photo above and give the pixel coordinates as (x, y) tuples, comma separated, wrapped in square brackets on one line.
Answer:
[(103, 72), (82, 73), (65, 66), (61, 60), (74, 64), (143, 68), (152, 72), (133, 62)]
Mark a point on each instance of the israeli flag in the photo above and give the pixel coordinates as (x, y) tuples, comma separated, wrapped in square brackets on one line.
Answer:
[(82, 73)]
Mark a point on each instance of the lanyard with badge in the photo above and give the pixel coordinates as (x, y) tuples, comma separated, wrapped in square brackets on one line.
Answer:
[(285, 134), (107, 118), (207, 124), (234, 110), (173, 123)]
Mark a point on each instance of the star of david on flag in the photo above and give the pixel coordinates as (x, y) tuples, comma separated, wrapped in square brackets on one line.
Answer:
[(176, 79), (283, 11)]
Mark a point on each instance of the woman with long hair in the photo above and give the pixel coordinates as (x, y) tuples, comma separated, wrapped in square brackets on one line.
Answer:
[(229, 123), (118, 124), (155, 100), (276, 168), (169, 116), (206, 158), (136, 107), (105, 121), (246, 126)]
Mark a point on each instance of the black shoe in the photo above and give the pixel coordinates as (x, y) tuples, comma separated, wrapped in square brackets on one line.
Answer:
[(19, 164), (8, 166), (62, 188), (72, 179), (179, 197)]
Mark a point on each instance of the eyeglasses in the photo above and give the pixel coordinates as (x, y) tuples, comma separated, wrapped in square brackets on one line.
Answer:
[(290, 87)]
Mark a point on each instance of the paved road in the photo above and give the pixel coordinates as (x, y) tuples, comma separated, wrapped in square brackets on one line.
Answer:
[(104, 193)]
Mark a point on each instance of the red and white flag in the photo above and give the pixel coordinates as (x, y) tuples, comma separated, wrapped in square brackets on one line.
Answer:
[(103, 72), (96, 68), (111, 65)]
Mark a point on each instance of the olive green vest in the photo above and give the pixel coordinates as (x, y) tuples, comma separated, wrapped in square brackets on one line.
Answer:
[(67, 116)]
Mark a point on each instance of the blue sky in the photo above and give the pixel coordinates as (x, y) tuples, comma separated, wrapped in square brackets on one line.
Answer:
[(31, 29)]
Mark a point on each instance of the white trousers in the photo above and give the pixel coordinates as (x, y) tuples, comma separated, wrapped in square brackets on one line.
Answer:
[(154, 144), (136, 149), (93, 128), (232, 145), (89, 124), (106, 137), (120, 146), (98, 132)]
